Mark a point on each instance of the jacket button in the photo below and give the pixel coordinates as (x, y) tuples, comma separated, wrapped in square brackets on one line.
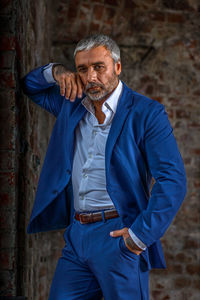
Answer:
[(68, 171)]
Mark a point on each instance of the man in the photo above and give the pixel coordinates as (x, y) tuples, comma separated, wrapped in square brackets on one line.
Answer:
[(107, 144)]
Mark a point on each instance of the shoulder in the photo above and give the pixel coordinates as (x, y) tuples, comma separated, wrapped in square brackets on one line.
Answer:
[(141, 103)]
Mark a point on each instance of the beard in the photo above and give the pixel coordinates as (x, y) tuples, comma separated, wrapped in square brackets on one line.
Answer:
[(98, 91)]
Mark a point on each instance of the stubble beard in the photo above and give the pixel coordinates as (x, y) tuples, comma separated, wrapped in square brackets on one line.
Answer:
[(105, 90)]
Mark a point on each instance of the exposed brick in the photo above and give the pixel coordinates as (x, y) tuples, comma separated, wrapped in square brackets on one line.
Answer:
[(8, 181), (42, 271), (85, 11), (182, 282), (191, 243), (72, 11), (94, 28), (7, 220), (7, 43), (193, 269), (180, 113), (187, 160), (109, 14), (7, 99), (113, 2), (7, 59), (98, 12), (157, 16), (7, 199), (7, 239), (8, 132), (175, 18), (197, 92), (175, 268), (130, 4), (182, 257), (149, 89), (82, 30), (7, 161), (197, 183), (196, 151), (7, 79), (196, 284), (7, 283), (7, 259), (156, 294), (150, 2), (176, 4)]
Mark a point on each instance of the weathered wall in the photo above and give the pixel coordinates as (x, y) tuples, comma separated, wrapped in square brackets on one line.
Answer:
[(160, 46), (27, 262), (8, 146), (37, 252)]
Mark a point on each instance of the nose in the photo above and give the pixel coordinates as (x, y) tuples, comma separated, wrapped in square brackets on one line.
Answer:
[(91, 75)]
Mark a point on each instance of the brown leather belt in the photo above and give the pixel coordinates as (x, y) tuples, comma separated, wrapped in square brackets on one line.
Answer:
[(86, 218)]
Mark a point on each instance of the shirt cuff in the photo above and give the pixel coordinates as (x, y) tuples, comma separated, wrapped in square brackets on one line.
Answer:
[(47, 72), (137, 241)]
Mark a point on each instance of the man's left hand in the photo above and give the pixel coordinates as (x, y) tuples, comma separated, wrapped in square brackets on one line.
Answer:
[(127, 240)]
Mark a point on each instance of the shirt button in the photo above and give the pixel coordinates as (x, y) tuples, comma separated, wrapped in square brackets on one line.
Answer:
[(90, 155), (94, 132), (82, 197), (85, 175)]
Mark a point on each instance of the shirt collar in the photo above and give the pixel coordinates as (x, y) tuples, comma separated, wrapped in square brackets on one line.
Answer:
[(110, 103)]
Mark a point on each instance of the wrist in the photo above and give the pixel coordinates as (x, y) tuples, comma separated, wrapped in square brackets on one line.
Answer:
[(54, 69), (132, 246)]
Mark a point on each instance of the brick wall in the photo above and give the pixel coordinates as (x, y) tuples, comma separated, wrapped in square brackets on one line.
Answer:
[(27, 262), (160, 45), (8, 149)]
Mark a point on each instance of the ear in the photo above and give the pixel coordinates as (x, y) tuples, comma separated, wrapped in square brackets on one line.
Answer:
[(118, 67)]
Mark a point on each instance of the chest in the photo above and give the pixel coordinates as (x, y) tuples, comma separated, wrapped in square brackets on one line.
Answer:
[(91, 137)]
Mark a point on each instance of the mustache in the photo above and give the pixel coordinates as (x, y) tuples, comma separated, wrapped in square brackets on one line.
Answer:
[(93, 84)]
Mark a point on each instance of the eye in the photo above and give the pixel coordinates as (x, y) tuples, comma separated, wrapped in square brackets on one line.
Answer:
[(82, 70), (98, 67)]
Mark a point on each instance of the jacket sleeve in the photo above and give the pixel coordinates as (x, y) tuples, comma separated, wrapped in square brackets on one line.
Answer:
[(47, 95), (166, 166)]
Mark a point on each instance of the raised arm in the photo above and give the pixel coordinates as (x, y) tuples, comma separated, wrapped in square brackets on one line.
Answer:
[(50, 85)]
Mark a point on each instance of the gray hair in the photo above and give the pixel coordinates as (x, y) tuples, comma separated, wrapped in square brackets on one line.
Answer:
[(96, 40)]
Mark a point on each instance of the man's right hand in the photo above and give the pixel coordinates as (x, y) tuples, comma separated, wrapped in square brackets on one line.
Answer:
[(69, 82)]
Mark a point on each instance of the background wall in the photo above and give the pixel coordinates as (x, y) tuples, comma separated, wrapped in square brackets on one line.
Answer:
[(160, 45)]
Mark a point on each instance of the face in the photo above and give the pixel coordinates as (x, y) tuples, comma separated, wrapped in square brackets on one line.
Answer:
[(98, 73)]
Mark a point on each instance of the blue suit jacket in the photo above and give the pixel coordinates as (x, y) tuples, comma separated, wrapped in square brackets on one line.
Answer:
[(140, 146)]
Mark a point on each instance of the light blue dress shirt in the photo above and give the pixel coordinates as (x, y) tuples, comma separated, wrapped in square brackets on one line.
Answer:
[(88, 172)]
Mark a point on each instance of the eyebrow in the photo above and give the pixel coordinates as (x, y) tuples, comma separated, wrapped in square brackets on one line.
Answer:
[(96, 63)]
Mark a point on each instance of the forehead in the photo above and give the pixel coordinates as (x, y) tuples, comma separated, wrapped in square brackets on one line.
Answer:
[(93, 55)]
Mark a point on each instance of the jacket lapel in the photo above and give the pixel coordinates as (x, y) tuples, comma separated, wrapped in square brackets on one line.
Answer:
[(123, 108), (76, 116)]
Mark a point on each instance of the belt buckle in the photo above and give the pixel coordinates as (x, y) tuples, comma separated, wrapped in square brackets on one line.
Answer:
[(81, 220)]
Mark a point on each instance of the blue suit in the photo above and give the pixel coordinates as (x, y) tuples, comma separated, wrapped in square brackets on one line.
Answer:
[(140, 146)]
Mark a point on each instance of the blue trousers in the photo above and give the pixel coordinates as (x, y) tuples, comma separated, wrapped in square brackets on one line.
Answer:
[(94, 264)]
